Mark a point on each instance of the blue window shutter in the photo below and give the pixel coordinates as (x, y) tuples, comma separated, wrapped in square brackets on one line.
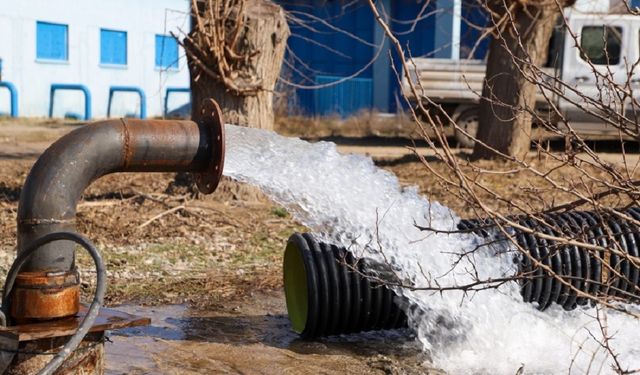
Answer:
[(52, 41), (113, 47), (166, 52)]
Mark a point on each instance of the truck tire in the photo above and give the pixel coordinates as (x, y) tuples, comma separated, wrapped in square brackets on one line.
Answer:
[(466, 117)]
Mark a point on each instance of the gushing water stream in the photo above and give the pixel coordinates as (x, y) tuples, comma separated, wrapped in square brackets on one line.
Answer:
[(348, 200)]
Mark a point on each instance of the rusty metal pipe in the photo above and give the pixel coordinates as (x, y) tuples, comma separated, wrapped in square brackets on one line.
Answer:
[(57, 180)]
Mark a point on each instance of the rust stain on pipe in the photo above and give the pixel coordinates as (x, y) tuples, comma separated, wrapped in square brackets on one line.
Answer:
[(43, 295)]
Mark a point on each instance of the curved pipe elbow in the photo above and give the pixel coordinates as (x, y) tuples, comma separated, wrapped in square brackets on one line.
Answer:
[(57, 180)]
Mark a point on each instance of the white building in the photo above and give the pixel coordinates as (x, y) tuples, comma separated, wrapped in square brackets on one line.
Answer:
[(102, 45), (98, 44)]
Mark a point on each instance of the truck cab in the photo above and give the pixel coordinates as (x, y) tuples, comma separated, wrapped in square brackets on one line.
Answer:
[(609, 53)]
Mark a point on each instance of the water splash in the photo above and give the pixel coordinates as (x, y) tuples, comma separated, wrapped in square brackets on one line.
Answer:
[(352, 202)]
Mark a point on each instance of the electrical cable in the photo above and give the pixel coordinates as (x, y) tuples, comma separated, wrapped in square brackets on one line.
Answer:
[(94, 308)]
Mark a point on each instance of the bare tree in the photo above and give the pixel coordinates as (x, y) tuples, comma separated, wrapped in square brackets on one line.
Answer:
[(235, 51), (522, 29), (549, 182)]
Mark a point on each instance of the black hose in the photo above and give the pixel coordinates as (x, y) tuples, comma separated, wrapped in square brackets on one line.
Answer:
[(94, 308)]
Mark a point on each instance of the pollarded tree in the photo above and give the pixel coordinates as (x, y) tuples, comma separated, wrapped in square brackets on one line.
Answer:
[(235, 51)]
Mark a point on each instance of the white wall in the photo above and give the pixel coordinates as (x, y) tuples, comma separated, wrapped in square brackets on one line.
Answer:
[(141, 19), (592, 6)]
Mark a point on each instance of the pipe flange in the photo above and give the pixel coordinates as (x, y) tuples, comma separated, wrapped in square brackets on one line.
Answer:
[(211, 118)]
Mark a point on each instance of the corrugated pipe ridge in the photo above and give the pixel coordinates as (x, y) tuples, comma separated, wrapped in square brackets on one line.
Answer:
[(328, 294), (612, 273)]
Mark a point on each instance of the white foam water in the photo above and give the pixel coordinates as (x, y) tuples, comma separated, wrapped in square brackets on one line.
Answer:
[(350, 201)]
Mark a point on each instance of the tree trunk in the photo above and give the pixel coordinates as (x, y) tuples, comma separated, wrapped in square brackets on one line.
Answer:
[(260, 41), (504, 123)]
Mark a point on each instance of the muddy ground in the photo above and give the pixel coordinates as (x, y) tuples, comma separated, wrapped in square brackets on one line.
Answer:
[(207, 269)]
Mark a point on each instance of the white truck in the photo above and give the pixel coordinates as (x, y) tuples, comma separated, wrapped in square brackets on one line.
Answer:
[(610, 41)]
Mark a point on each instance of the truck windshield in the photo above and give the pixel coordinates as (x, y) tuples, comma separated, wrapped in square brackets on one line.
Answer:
[(601, 45)]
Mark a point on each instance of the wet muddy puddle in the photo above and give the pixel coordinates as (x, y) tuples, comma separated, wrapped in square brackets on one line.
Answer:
[(251, 336)]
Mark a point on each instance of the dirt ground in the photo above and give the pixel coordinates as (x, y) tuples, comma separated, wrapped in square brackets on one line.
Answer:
[(208, 274), (216, 257), (215, 247)]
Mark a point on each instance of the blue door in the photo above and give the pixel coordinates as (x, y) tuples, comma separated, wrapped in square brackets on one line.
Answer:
[(330, 41)]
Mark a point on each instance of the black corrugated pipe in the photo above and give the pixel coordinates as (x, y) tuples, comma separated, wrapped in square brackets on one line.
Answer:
[(57, 180), (326, 295), (597, 273)]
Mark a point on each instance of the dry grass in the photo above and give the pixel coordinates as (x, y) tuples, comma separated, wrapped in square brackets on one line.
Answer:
[(221, 245), (364, 124), (521, 187)]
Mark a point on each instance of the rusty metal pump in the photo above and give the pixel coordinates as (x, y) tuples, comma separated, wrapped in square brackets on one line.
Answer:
[(44, 283)]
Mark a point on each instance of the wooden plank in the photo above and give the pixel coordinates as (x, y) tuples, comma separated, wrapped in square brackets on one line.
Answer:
[(108, 319)]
